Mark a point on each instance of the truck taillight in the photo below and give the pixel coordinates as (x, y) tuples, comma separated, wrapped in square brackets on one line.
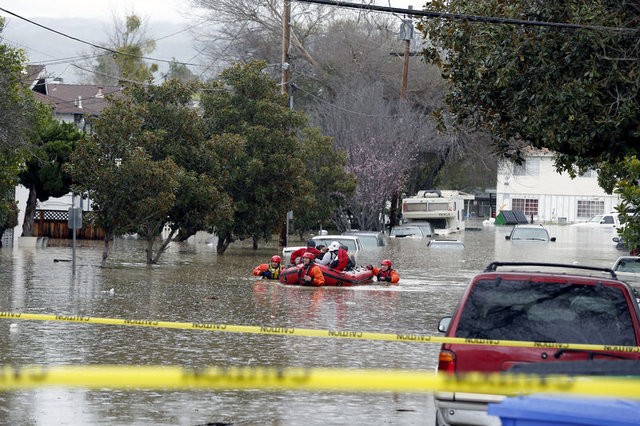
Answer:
[(447, 362)]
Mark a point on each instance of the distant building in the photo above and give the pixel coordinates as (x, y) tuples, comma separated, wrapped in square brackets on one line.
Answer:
[(535, 188), (79, 104), (70, 103)]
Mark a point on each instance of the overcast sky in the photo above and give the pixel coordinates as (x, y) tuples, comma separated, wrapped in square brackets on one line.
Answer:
[(92, 21)]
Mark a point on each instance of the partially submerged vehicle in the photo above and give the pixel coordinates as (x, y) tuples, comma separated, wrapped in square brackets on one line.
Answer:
[(368, 239), (609, 220), (350, 242), (449, 244), (541, 303), (406, 231), (627, 268), (529, 233), (443, 209)]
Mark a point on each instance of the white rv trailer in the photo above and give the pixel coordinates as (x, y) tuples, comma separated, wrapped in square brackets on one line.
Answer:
[(444, 209)]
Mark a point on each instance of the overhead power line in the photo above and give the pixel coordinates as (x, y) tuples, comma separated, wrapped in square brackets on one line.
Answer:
[(97, 46), (465, 17)]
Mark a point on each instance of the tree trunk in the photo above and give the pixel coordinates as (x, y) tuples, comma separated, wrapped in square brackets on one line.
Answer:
[(224, 239), (393, 210), (164, 245), (255, 243), (149, 249), (105, 251), (283, 238), (29, 211)]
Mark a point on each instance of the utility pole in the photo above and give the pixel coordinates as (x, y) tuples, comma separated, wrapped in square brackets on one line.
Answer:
[(284, 89), (406, 34), (286, 40)]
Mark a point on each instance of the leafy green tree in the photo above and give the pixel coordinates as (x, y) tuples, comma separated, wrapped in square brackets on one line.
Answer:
[(266, 166), (9, 169), (628, 187), (44, 175), (130, 41), (128, 189), (20, 115), (327, 187), (573, 91), (200, 202), (148, 166)]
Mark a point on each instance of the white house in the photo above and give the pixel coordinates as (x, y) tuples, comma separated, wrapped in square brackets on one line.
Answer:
[(535, 188), (72, 103)]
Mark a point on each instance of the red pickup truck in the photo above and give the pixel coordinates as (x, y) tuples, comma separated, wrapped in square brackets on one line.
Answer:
[(549, 304)]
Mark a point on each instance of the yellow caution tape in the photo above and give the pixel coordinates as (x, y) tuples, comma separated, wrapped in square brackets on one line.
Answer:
[(305, 332), (300, 379)]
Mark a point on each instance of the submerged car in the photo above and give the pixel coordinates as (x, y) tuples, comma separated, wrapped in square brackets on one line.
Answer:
[(426, 227), (529, 233), (548, 304), (609, 220), (406, 231), (449, 244), (369, 239), (627, 268), (350, 242)]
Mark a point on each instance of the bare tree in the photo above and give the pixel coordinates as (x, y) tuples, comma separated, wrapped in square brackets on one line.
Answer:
[(346, 73), (252, 29)]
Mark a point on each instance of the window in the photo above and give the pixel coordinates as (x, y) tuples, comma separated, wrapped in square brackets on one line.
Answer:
[(546, 312), (527, 206), (589, 174), (587, 208), (530, 167)]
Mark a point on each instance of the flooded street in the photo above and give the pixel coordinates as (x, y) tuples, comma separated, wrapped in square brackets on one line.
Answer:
[(192, 284)]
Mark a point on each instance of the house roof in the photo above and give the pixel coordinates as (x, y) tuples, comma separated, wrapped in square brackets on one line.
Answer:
[(86, 99), (32, 75), (57, 105)]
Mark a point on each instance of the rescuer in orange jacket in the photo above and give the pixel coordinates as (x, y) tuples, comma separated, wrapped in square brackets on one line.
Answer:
[(310, 273), (269, 271), (385, 273)]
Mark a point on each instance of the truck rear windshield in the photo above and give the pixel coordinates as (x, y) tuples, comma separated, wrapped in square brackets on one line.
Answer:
[(547, 312)]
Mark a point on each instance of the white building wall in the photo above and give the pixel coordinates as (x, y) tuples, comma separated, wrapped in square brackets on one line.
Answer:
[(557, 193), (22, 194)]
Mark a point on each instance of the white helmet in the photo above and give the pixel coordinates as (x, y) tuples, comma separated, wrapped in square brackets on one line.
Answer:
[(334, 246)]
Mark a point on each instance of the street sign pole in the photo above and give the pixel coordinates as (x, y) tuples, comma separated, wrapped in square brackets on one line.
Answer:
[(75, 222)]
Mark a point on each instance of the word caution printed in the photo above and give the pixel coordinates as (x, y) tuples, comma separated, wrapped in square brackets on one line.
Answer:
[(305, 332), (301, 379)]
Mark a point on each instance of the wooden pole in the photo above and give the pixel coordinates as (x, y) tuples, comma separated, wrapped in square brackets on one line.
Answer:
[(284, 89), (286, 40)]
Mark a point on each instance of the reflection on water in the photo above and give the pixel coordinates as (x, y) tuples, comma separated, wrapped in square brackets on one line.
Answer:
[(193, 284)]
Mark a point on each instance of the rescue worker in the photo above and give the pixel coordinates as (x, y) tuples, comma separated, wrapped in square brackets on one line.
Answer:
[(296, 256), (336, 258), (269, 271), (385, 273), (310, 273)]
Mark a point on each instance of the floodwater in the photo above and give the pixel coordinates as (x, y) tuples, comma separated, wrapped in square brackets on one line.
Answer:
[(192, 284)]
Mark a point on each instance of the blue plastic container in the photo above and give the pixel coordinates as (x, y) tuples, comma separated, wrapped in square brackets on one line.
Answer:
[(539, 410)]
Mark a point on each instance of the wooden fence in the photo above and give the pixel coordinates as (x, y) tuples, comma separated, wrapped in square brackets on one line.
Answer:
[(55, 224)]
